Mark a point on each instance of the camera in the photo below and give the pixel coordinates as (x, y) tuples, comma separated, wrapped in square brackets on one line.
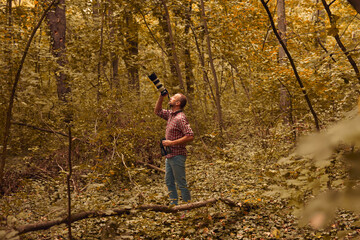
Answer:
[(158, 84)]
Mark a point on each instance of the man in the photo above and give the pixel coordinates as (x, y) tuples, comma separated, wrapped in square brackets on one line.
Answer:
[(178, 133)]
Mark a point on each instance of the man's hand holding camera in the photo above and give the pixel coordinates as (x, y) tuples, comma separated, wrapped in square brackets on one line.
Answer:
[(181, 141), (168, 143)]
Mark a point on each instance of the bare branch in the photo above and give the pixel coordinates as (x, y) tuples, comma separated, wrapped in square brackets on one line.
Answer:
[(38, 128), (303, 89), (324, 48), (339, 42), (151, 33), (331, 3)]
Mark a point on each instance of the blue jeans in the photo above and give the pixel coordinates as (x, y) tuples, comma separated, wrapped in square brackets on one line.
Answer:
[(175, 172)]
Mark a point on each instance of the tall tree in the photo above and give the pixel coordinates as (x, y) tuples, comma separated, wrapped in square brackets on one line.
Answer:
[(114, 58), (173, 48), (100, 62), (57, 24), (216, 83), (189, 76), (284, 94), (131, 43), (8, 46)]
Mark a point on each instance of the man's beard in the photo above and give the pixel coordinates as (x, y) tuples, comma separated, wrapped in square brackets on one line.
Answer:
[(170, 104)]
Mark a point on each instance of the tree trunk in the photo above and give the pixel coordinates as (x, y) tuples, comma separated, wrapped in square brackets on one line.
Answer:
[(68, 183), (99, 66), (8, 42), (217, 89), (188, 63), (57, 24), (132, 51), (114, 82), (285, 97), (172, 79), (173, 49)]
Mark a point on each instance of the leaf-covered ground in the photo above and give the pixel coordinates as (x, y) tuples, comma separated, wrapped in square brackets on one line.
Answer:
[(242, 172)]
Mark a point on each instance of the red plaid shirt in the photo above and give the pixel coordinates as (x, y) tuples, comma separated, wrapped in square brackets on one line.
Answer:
[(177, 127)]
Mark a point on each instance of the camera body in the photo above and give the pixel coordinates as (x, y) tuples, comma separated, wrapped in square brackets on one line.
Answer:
[(158, 84)]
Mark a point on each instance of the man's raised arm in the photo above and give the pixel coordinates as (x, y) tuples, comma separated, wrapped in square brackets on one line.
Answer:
[(158, 105)]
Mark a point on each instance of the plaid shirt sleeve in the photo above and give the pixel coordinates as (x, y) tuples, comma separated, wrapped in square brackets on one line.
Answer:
[(184, 126), (164, 114)]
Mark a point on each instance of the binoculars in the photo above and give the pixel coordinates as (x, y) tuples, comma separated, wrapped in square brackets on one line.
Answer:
[(158, 84)]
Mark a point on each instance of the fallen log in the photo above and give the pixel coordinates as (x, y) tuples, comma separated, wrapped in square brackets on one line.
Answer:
[(22, 229), (74, 218), (183, 207)]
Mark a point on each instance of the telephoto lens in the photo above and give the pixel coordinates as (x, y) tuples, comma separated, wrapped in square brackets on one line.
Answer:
[(158, 84)]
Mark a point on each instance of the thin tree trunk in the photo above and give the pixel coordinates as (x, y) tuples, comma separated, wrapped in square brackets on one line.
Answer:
[(335, 34), (100, 55), (172, 42), (188, 63), (205, 75), (12, 96), (217, 90), (7, 46), (285, 97), (57, 24), (114, 82), (9, 43), (316, 121), (68, 179), (172, 80), (132, 51)]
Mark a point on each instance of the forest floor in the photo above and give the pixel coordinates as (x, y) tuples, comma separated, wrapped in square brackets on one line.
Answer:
[(236, 172)]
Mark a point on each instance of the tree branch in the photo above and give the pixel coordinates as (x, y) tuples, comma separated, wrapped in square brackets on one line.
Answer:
[(338, 40), (324, 48), (292, 65), (331, 3), (202, 61), (38, 128), (68, 178), (151, 33)]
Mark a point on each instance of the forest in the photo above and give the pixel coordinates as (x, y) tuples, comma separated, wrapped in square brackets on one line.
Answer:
[(272, 91)]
